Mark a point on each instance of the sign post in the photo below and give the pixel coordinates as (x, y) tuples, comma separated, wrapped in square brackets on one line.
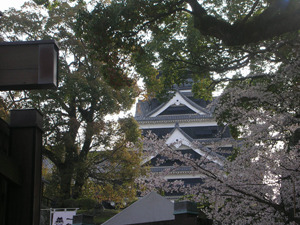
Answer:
[(62, 216)]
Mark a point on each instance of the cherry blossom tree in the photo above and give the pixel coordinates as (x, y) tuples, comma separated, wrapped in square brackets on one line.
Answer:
[(259, 183)]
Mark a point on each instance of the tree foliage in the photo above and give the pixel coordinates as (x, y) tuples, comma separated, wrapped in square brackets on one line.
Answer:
[(78, 139), (200, 39)]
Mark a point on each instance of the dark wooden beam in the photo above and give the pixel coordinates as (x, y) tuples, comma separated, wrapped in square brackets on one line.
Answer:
[(28, 65), (23, 201)]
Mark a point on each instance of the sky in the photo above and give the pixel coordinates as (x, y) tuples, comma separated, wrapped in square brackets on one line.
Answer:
[(5, 4)]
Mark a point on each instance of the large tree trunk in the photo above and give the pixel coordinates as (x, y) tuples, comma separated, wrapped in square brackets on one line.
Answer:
[(79, 182), (66, 171), (81, 170)]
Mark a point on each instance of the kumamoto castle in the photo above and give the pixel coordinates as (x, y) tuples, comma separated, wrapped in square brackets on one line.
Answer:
[(185, 120)]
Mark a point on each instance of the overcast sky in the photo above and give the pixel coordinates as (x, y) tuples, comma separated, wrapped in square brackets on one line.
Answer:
[(5, 4)]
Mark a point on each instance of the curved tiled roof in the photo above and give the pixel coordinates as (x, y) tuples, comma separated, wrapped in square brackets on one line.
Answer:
[(149, 209), (203, 148), (184, 117), (186, 99)]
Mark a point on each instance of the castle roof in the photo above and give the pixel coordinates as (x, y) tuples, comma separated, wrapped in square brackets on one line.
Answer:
[(178, 138), (180, 107)]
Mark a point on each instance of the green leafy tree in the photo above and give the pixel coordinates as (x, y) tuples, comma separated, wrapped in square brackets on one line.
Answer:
[(114, 179), (77, 136), (203, 40)]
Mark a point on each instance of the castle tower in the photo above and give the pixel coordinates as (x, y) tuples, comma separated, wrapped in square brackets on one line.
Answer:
[(188, 120)]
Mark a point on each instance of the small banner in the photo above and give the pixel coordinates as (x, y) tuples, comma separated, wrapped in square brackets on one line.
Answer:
[(63, 217)]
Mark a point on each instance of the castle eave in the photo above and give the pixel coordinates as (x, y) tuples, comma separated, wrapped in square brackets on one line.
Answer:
[(170, 120)]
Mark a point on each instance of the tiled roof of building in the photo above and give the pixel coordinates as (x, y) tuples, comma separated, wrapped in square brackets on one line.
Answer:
[(146, 108), (184, 117), (196, 133), (200, 108), (151, 208)]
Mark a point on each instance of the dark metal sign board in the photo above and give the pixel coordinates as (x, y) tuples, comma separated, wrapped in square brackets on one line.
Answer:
[(28, 65)]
